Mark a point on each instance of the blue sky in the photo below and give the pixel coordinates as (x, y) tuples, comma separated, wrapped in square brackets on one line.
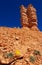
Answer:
[(10, 12)]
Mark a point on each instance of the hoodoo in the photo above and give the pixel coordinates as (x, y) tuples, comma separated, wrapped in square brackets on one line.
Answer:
[(28, 16)]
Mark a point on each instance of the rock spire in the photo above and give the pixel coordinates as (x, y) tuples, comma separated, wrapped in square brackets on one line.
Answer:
[(28, 16)]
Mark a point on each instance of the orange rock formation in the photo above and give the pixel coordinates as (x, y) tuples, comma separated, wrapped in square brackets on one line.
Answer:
[(24, 18), (28, 16), (22, 46)]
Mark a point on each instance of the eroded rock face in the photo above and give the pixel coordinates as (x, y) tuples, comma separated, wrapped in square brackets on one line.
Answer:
[(24, 18), (20, 46), (28, 16)]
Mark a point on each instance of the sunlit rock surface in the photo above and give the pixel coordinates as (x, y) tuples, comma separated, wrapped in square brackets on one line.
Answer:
[(22, 46)]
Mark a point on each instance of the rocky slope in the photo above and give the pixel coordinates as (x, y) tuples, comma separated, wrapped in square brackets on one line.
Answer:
[(20, 46)]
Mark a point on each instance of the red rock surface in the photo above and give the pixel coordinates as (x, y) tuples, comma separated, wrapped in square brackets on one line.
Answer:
[(21, 46)]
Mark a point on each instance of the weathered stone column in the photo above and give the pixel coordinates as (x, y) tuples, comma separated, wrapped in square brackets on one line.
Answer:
[(31, 13), (24, 18)]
